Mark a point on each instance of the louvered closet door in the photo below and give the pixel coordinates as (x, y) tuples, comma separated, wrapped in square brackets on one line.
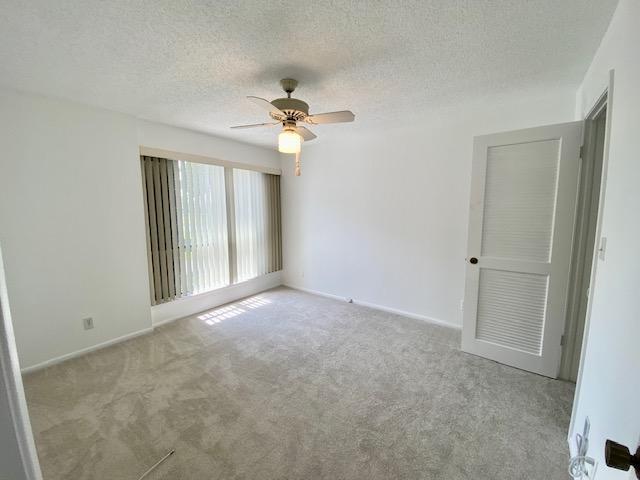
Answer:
[(523, 199)]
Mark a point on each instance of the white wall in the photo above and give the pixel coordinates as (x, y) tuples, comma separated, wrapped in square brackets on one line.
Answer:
[(72, 226), (72, 223), (609, 383), (165, 137), (382, 217)]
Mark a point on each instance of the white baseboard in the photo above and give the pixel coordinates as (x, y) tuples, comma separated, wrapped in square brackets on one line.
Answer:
[(171, 311), (316, 292), (221, 297), (83, 351), (187, 306), (383, 308)]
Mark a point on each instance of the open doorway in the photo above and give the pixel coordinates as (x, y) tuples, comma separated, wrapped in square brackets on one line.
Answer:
[(592, 155)]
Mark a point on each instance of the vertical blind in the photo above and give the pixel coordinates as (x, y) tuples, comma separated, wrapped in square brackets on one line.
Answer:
[(257, 223), (202, 227), (208, 226), (158, 175)]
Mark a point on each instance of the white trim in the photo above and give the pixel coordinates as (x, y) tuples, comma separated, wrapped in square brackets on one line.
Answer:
[(609, 91), (375, 306), (241, 290), (590, 172), (416, 316), (83, 351), (186, 306), (14, 391), (316, 292), (188, 157)]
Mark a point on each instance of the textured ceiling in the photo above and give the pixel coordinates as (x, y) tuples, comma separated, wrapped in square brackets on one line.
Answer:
[(191, 63)]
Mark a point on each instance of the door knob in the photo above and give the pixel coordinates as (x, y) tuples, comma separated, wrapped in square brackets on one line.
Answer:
[(473, 260), (619, 457)]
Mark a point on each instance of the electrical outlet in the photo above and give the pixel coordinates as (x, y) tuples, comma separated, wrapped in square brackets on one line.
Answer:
[(462, 305), (87, 323)]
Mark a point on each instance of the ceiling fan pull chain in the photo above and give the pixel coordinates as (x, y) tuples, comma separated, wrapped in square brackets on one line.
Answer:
[(298, 164)]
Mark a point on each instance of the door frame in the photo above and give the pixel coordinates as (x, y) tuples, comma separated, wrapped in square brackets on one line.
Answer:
[(609, 93), (585, 232), (15, 398)]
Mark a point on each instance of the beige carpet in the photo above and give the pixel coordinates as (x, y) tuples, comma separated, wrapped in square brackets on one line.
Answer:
[(287, 385)]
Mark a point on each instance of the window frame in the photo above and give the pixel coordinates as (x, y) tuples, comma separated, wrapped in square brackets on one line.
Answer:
[(230, 212)]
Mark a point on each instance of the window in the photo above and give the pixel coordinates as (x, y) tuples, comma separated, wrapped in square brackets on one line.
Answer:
[(203, 243), (256, 228), (208, 226)]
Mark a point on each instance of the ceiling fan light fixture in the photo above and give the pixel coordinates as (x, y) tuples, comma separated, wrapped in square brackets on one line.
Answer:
[(291, 113), (289, 142)]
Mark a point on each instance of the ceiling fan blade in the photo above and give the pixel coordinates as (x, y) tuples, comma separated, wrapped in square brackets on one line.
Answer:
[(258, 125), (268, 106), (305, 133), (330, 117)]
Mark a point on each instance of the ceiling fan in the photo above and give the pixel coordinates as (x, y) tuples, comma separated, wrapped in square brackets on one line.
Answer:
[(291, 111)]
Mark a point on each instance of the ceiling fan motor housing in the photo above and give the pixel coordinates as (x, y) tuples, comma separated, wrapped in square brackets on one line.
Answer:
[(293, 108)]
